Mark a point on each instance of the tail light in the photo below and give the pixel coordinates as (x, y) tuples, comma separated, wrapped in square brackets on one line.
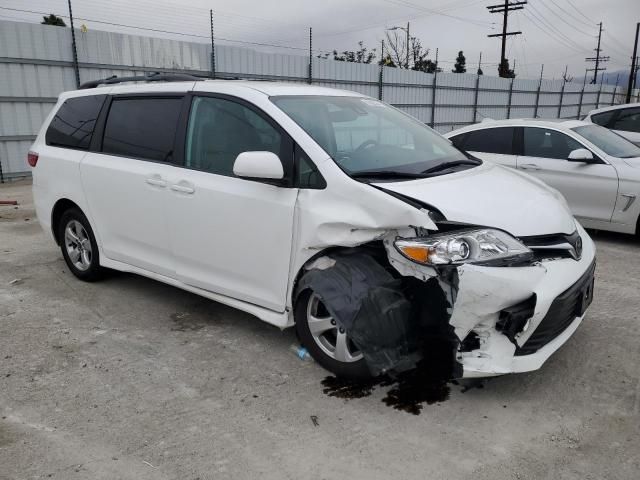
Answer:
[(32, 158)]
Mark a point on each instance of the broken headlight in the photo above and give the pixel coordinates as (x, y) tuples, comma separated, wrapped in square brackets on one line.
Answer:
[(463, 246)]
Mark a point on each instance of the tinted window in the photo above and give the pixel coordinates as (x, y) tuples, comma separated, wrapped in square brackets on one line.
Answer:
[(307, 175), (459, 140), (490, 140), (540, 142), (73, 123), (219, 130), (142, 127), (628, 120), (603, 118)]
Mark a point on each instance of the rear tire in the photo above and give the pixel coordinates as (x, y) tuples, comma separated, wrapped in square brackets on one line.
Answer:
[(79, 246), (329, 346)]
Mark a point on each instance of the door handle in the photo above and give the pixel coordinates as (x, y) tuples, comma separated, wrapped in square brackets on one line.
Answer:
[(529, 166), (183, 187), (156, 181)]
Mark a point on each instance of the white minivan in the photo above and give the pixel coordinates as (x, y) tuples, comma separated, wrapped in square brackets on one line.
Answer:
[(319, 208)]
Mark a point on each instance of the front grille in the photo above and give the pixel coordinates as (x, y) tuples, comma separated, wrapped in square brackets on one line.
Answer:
[(555, 246), (562, 312)]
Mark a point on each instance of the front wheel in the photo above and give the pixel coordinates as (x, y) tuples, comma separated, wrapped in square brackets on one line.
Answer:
[(327, 343), (79, 246)]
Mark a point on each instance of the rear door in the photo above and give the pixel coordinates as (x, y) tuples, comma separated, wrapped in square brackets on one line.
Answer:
[(231, 235), (589, 188), (125, 180), (493, 144)]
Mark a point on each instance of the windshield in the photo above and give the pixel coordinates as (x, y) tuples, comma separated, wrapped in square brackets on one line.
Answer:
[(363, 135), (609, 142)]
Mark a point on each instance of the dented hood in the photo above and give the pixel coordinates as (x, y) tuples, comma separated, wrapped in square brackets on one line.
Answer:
[(492, 195)]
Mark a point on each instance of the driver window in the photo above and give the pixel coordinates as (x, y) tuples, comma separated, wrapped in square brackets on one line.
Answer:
[(543, 143), (219, 130)]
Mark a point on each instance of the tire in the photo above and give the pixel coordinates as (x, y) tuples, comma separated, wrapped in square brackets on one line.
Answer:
[(79, 246), (347, 362)]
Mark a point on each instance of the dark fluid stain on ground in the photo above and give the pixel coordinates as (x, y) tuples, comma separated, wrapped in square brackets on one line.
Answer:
[(428, 383)]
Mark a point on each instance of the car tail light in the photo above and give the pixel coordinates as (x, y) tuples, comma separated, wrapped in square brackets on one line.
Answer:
[(32, 158)]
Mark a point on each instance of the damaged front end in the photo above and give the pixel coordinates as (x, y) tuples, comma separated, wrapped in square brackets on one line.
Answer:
[(467, 301)]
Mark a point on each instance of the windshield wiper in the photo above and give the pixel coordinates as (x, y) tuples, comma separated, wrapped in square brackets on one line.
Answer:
[(454, 163), (386, 174)]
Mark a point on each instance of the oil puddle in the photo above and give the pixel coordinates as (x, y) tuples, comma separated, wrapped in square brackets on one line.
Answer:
[(427, 384), (408, 392)]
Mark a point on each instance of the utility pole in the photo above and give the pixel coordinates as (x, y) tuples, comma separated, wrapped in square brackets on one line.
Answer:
[(503, 69), (598, 58), (76, 69), (633, 64), (213, 48)]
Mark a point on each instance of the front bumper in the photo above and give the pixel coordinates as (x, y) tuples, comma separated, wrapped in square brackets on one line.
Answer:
[(482, 292)]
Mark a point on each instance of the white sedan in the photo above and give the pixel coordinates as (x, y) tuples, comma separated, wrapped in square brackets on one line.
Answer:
[(622, 119), (596, 170)]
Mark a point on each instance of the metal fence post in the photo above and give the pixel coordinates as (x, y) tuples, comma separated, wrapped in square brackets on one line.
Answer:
[(613, 95), (213, 48), (433, 93), (76, 69), (475, 100), (380, 74), (584, 84), (599, 92), (1, 174), (310, 79), (535, 110), (564, 82), (510, 97)]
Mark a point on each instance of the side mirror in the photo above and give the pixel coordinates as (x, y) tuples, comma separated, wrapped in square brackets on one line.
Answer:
[(580, 155), (258, 165)]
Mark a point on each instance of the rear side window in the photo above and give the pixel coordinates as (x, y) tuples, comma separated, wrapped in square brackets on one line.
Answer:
[(72, 126), (490, 140), (459, 140), (628, 120), (142, 128)]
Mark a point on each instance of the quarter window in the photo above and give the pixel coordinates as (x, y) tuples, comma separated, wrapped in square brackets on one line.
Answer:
[(603, 119), (219, 130), (73, 124), (142, 128), (543, 143), (490, 140)]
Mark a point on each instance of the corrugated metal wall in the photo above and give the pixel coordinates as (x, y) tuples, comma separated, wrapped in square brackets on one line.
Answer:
[(36, 65)]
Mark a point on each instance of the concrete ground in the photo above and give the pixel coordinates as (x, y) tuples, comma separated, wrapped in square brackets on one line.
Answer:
[(132, 379)]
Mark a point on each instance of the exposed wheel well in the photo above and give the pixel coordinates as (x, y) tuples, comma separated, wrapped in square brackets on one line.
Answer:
[(59, 208)]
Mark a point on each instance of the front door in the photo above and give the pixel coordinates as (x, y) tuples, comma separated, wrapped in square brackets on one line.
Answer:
[(231, 235), (590, 189)]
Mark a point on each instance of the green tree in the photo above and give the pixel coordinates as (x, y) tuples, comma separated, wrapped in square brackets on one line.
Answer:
[(53, 20), (460, 65), (504, 71)]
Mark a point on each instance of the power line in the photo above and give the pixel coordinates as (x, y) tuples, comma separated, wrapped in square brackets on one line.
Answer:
[(565, 40), (157, 30), (580, 12), (561, 17), (589, 24)]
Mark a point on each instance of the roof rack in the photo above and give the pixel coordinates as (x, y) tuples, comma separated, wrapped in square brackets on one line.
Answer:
[(152, 77)]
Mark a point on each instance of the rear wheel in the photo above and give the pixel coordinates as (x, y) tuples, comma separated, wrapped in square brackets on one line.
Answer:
[(79, 246), (327, 343)]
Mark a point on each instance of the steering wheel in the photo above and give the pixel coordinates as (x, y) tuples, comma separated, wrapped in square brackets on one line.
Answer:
[(364, 145)]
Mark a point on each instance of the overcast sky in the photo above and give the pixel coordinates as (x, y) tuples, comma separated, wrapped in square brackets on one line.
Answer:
[(555, 32)]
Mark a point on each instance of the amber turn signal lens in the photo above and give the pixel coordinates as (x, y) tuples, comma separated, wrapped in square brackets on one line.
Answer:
[(417, 254)]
